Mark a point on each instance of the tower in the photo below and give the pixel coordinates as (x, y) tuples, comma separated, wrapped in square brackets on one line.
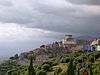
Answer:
[(68, 40)]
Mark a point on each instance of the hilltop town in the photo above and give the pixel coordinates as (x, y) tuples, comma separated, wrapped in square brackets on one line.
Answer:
[(67, 45), (56, 58)]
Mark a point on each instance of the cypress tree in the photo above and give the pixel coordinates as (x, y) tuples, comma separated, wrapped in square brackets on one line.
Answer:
[(9, 73), (55, 73), (78, 71), (71, 68), (91, 72), (18, 73), (31, 70)]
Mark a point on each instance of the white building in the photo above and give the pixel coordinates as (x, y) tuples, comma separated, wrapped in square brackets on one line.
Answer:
[(98, 48), (68, 40)]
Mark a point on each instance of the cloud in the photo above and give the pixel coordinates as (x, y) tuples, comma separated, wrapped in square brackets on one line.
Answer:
[(5, 3), (17, 13), (53, 15), (15, 32), (24, 22), (88, 2), (15, 38), (11, 32)]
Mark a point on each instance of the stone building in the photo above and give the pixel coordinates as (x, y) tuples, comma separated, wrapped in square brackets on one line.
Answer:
[(94, 42), (68, 40)]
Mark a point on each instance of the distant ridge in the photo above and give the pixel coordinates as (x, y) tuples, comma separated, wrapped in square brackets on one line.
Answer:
[(2, 59), (86, 37)]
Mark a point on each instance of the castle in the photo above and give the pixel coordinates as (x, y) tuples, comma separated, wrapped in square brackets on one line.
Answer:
[(68, 40), (54, 49), (67, 45)]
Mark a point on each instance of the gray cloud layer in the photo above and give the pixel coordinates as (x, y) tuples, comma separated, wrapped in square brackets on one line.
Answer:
[(53, 18), (56, 15), (89, 2)]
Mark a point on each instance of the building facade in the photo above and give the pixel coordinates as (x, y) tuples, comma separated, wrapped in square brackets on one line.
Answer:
[(68, 40)]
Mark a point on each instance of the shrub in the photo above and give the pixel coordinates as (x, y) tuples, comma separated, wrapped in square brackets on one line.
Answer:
[(54, 64), (91, 59), (46, 67), (63, 73), (97, 55), (79, 59), (64, 60), (67, 59), (41, 72), (58, 70), (48, 62)]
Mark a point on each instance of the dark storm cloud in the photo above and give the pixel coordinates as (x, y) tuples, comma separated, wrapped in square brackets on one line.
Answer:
[(54, 15), (11, 15), (89, 2), (6, 3), (26, 24), (71, 19), (75, 25)]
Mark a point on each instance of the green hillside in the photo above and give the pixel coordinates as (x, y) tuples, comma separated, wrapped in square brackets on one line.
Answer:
[(60, 65), (68, 64)]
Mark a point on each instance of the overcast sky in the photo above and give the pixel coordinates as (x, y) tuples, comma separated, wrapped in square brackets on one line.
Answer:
[(26, 24)]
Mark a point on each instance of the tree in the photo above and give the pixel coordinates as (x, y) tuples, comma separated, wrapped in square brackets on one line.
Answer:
[(31, 70), (16, 56), (18, 73), (91, 73), (9, 73), (78, 71), (41, 72), (46, 67), (12, 58), (56, 43), (42, 46), (57, 70), (31, 56), (71, 68)]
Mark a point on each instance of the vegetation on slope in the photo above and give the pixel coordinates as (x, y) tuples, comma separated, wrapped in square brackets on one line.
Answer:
[(68, 64)]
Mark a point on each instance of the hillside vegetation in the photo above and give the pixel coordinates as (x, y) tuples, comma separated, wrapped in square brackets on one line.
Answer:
[(68, 64)]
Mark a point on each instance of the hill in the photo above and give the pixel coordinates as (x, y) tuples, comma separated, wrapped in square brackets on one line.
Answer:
[(87, 37), (45, 52), (59, 65)]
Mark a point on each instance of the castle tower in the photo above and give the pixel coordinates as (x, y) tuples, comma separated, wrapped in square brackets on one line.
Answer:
[(68, 40)]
